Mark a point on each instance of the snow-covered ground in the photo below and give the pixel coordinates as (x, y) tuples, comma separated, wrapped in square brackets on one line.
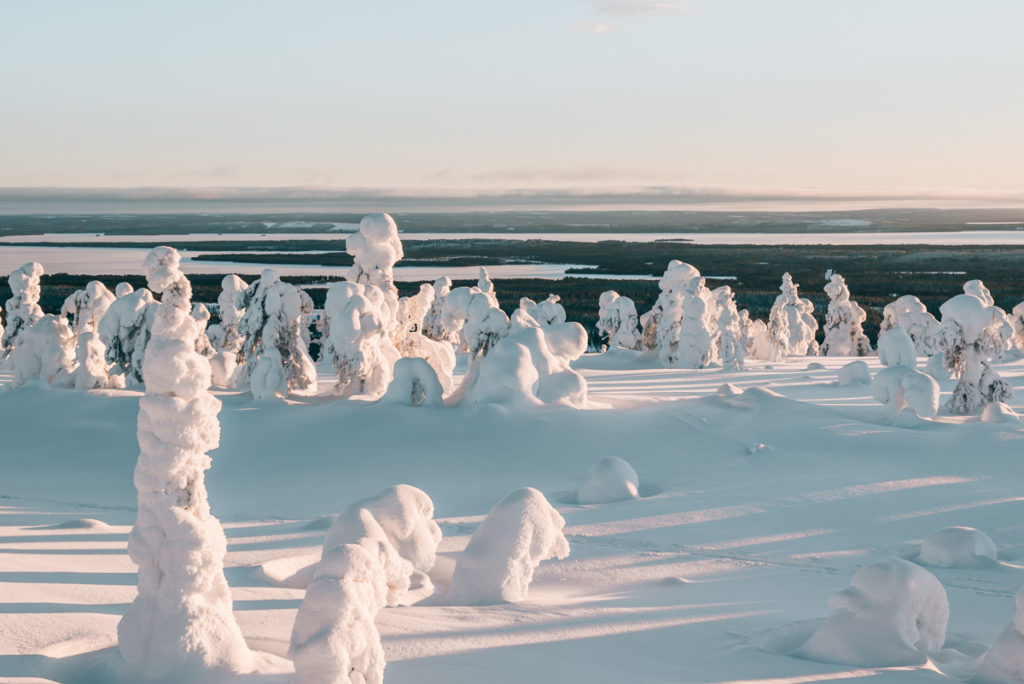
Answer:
[(757, 503)]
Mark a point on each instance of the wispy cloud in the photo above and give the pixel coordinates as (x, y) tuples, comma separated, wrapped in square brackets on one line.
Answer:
[(609, 13), (589, 26)]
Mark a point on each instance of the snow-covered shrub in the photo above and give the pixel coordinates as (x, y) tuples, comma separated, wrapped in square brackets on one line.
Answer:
[(23, 307), (896, 348), (973, 333), (181, 621), (731, 336), (44, 350), (91, 367), (356, 339), (377, 553), (754, 333), (411, 342), (844, 332), (1004, 662), (910, 314), (791, 324), (433, 323), (87, 307), (611, 479), (375, 248), (893, 613), (498, 563), (125, 330), (676, 275), (531, 367), (854, 372), (900, 386), (476, 319), (617, 321), (224, 335), (274, 348), (414, 383), (957, 547)]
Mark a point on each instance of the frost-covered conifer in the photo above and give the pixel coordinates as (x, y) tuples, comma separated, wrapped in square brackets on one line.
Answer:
[(485, 285), (91, 367), (375, 249), (181, 622), (677, 275), (686, 329), (791, 323), (23, 307), (732, 344), (274, 351), (412, 343), (356, 340), (544, 313), (844, 332), (224, 336), (476, 319), (972, 334), (617, 321), (87, 307), (909, 313), (202, 316), (44, 350), (433, 323), (756, 339), (125, 329), (895, 348)]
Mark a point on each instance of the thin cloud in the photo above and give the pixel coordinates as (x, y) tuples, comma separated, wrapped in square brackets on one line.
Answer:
[(638, 8), (589, 26)]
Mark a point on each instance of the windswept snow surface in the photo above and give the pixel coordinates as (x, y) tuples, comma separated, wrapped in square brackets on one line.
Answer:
[(755, 505)]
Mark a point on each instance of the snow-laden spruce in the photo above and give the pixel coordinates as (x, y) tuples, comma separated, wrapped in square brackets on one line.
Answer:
[(125, 330), (375, 248), (910, 314), (791, 324), (475, 318), (433, 322), (23, 307), (85, 308), (732, 336), (754, 333), (412, 343), (618, 322), (44, 350), (957, 547), (686, 325), (181, 623), (611, 479), (274, 351), (356, 338), (497, 565), (530, 367), (1004, 662), (893, 613), (972, 334), (676, 276), (844, 322), (376, 554), (547, 312)]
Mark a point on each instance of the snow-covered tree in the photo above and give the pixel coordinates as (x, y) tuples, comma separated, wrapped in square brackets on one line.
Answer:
[(433, 323), (413, 343), (181, 621), (544, 313), (92, 371), (909, 313), (375, 249), (972, 334), (44, 350), (86, 307), (475, 318), (125, 329), (677, 275), (898, 387), (978, 289), (202, 316), (23, 307), (356, 339), (224, 335), (686, 330), (791, 323), (274, 351), (730, 338), (1017, 320), (485, 285), (895, 348), (497, 565), (844, 321), (756, 340), (617, 321)]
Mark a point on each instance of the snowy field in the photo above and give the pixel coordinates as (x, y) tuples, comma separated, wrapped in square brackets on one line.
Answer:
[(757, 503)]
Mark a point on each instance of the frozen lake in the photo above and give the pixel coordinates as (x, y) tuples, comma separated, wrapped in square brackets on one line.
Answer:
[(1013, 234)]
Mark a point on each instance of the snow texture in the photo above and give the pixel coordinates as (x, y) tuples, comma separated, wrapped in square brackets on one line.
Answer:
[(497, 565), (896, 348), (791, 324), (1004, 662), (998, 412), (611, 479), (181, 622), (899, 387), (957, 547), (23, 307), (893, 613), (274, 353), (855, 372), (972, 334), (617, 321), (844, 320)]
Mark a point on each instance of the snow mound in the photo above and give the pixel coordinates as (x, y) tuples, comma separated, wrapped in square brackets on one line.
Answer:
[(899, 387), (414, 384), (611, 479), (814, 365), (293, 572), (77, 524), (1004, 662), (893, 613), (998, 412), (855, 372), (957, 547), (896, 348), (497, 565)]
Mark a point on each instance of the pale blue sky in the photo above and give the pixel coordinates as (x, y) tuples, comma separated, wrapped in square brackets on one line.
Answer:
[(835, 95)]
